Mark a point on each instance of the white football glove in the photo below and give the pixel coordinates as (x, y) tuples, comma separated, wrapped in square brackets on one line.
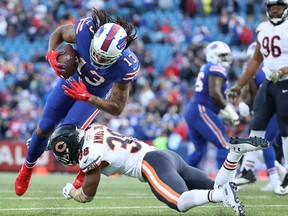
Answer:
[(229, 114), (244, 109), (28, 142), (276, 76), (67, 189)]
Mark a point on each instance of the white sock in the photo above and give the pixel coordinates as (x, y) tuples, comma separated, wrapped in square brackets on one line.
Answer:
[(249, 160), (193, 198), (274, 177), (254, 133), (285, 151), (227, 171)]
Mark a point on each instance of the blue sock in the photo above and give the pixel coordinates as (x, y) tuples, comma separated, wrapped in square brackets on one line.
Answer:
[(36, 148), (269, 157)]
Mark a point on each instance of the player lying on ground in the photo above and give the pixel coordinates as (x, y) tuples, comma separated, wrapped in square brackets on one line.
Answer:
[(180, 186)]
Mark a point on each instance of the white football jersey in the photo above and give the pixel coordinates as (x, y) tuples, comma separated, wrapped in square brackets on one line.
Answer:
[(124, 154), (274, 46)]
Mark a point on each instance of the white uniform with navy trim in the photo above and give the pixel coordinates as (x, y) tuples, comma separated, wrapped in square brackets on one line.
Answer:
[(274, 47), (124, 154)]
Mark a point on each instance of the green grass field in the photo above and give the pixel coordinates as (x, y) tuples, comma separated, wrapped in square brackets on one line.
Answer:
[(119, 196)]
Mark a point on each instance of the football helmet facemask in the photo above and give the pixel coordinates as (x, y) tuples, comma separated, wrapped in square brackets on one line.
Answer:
[(107, 45), (218, 52), (66, 142), (277, 20)]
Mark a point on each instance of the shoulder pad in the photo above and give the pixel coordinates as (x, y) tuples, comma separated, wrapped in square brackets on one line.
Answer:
[(262, 26)]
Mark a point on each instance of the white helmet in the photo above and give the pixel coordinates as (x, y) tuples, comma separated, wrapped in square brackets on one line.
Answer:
[(107, 45), (251, 49), (277, 20), (218, 52)]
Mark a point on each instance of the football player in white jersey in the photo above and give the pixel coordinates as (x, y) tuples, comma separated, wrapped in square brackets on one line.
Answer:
[(272, 97), (180, 186)]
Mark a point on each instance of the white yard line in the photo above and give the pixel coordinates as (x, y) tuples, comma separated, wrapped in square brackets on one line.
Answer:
[(126, 207)]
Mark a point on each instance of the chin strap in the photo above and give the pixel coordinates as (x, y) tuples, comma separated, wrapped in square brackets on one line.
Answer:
[(80, 196)]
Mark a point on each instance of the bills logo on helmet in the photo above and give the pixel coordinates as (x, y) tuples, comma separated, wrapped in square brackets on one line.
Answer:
[(215, 46), (122, 43)]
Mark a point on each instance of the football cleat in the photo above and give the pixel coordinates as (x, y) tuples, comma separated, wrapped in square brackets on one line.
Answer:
[(281, 170), (243, 145), (271, 186), (283, 188), (246, 177), (230, 198), (78, 181), (22, 181)]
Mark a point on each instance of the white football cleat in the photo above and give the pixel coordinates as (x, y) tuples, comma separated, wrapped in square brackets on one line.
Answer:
[(271, 186), (243, 145), (230, 198), (281, 170), (283, 188)]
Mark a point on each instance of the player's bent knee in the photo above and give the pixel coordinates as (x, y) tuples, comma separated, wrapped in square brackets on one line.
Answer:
[(45, 127)]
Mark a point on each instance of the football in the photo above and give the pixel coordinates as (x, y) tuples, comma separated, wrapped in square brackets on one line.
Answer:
[(70, 58)]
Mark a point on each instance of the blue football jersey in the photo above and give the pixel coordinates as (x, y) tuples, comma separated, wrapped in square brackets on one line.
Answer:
[(259, 77), (201, 95), (100, 81)]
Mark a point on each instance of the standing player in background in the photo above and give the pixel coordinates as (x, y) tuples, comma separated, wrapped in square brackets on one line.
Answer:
[(201, 114), (106, 67), (272, 97), (175, 183), (249, 159)]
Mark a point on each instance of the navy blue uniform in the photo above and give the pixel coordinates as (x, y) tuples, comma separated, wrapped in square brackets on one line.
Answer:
[(272, 129), (174, 173)]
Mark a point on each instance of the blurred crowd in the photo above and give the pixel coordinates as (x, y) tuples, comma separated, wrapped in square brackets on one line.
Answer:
[(159, 95)]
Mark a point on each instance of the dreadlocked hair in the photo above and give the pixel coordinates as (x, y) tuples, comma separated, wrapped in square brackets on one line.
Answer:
[(101, 17)]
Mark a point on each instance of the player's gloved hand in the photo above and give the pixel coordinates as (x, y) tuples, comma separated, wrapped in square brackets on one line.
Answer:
[(244, 109), (28, 142), (276, 76), (58, 67), (76, 90), (229, 114), (233, 93), (67, 189)]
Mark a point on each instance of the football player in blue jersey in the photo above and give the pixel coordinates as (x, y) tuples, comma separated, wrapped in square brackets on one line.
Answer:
[(248, 163), (201, 113), (106, 67)]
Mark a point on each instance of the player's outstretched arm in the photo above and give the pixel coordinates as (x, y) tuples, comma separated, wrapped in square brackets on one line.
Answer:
[(114, 105), (88, 190), (62, 33)]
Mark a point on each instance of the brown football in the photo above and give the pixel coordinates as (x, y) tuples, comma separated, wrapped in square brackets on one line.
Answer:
[(70, 58)]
